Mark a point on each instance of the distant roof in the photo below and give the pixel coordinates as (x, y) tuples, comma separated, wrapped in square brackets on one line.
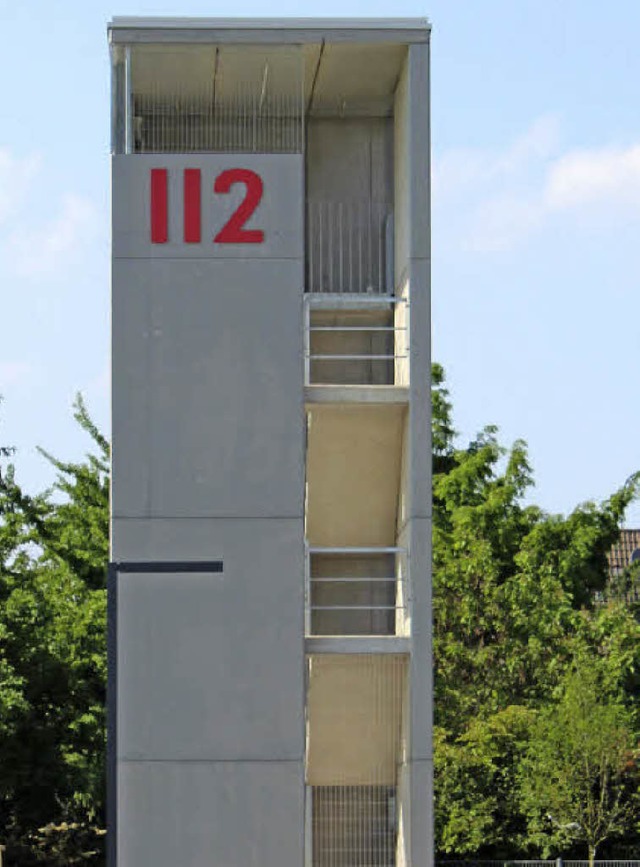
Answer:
[(621, 553), (128, 29)]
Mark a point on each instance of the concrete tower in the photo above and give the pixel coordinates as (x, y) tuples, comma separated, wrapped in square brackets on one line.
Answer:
[(270, 692)]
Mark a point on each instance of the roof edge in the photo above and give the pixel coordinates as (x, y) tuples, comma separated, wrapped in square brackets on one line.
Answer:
[(130, 29)]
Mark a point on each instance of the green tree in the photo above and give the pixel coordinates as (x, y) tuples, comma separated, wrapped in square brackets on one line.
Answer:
[(53, 556), (476, 776), (514, 589), (578, 779)]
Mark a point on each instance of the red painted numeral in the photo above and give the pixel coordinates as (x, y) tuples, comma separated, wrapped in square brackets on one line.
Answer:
[(159, 207), (233, 232), (192, 209)]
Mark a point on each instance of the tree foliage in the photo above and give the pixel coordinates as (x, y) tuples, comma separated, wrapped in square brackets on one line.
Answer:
[(53, 556), (515, 602), (579, 775)]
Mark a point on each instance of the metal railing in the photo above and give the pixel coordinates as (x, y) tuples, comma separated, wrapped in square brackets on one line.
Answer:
[(195, 123), (550, 862), (201, 98), (357, 346), (357, 591), (349, 247)]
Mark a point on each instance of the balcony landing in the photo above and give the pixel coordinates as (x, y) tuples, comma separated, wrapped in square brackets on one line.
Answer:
[(368, 394), (361, 644)]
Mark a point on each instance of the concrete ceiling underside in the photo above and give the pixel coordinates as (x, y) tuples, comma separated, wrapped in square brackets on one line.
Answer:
[(354, 457), (331, 79)]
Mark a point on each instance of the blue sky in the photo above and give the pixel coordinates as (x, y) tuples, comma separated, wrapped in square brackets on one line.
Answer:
[(536, 216)]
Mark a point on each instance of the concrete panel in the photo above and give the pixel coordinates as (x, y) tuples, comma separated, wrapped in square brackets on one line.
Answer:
[(405, 480), (194, 539), (353, 474), (354, 719), (421, 814), (279, 214), (131, 397), (186, 70), (420, 397), (403, 807), (225, 814), (421, 672), (402, 170), (419, 136), (211, 666), (359, 77), (349, 160), (208, 389), (412, 161)]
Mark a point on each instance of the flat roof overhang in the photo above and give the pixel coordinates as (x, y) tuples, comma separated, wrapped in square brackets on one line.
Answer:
[(267, 31)]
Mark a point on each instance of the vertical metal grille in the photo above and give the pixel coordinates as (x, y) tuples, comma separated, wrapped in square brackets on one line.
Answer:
[(193, 123), (349, 247), (354, 826), (355, 754)]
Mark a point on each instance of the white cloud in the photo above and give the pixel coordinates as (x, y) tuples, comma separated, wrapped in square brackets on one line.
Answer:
[(46, 248), (32, 245), (491, 201), (16, 178), (463, 170), (609, 175), (502, 222)]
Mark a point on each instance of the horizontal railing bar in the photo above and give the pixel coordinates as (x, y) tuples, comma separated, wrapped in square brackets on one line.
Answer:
[(372, 297), (357, 328), (358, 580), (357, 607), (378, 550), (354, 357)]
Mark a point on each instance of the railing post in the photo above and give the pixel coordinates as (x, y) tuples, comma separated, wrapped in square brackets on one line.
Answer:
[(307, 342), (307, 590)]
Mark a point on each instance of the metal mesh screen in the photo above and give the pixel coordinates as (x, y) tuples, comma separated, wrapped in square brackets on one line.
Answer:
[(353, 825), (356, 747), (187, 123)]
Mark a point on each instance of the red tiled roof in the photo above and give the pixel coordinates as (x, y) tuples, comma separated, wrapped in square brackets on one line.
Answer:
[(621, 552)]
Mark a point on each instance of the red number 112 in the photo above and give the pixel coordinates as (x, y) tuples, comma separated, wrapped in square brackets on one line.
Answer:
[(233, 231)]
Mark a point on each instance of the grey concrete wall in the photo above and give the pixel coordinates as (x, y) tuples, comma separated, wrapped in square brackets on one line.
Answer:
[(350, 159), (207, 372), (210, 665), (208, 464), (412, 268), (190, 814)]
